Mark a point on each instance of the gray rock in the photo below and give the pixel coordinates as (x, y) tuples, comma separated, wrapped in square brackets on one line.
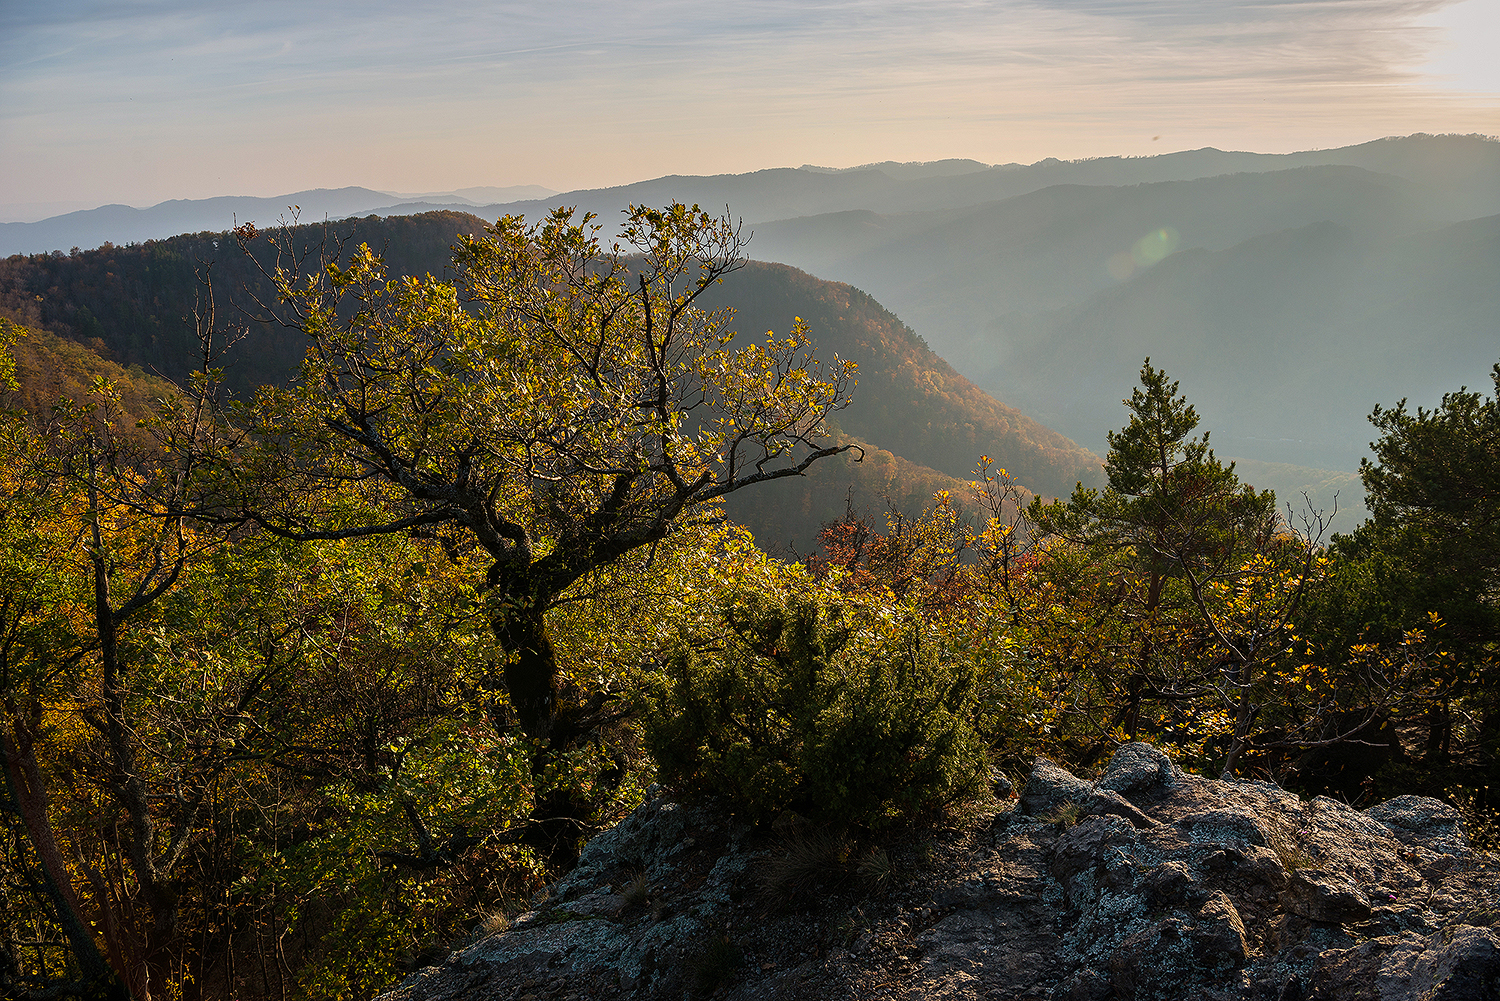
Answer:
[(1137, 768), (1458, 964), (1420, 821), (1091, 845), (1461, 964), (600, 903), (1170, 883), (645, 839), (1219, 937), (1051, 786), (1109, 802), (1328, 897), (1157, 962), (1088, 984), (1229, 826)]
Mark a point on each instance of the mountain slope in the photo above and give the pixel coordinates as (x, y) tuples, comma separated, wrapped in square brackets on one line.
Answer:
[(51, 368), (1284, 342), (952, 273), (908, 399), (926, 424)]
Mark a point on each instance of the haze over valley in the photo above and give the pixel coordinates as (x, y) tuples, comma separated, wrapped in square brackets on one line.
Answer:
[(1289, 293)]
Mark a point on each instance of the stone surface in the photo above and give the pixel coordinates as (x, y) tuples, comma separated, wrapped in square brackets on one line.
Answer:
[(1418, 821), (1137, 768), (1169, 885), (1051, 786), (1219, 935), (1330, 897), (1457, 964)]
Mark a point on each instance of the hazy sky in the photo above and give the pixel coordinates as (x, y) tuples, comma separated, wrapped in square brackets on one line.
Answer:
[(137, 102)]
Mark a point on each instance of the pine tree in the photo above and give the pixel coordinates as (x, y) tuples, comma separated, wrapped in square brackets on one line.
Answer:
[(1173, 518)]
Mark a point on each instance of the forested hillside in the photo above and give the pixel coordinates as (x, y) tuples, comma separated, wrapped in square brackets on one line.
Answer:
[(135, 304), (1291, 337), (910, 400), (137, 300)]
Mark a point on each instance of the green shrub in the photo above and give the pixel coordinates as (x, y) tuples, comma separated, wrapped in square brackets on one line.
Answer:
[(799, 705)]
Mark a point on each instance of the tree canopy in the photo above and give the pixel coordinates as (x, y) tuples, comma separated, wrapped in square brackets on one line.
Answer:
[(557, 405)]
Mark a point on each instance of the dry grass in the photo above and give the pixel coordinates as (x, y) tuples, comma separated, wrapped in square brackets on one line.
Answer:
[(1287, 844), (1065, 815), (876, 870), (637, 892), (803, 862)]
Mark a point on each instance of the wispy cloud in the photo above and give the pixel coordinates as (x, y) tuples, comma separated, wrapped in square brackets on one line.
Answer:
[(166, 97)]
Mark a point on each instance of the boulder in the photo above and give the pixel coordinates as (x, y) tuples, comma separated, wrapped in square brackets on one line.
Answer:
[(1191, 888), (1456, 964), (1328, 897), (1169, 884), (1154, 962), (1137, 768), (1051, 786), (1092, 844), (1219, 934), (1418, 821)]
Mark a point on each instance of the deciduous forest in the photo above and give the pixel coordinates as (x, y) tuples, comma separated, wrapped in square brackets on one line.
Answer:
[(312, 671)]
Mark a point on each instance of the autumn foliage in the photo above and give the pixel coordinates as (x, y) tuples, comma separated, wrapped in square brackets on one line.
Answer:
[(263, 728)]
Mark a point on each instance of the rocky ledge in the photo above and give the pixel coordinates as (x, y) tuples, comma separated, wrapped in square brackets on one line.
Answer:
[(1147, 883)]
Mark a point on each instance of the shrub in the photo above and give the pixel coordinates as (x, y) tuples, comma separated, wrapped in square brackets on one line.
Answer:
[(800, 705)]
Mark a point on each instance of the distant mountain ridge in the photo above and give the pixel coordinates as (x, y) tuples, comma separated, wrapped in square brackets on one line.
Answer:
[(1464, 170), (121, 224), (1289, 293)]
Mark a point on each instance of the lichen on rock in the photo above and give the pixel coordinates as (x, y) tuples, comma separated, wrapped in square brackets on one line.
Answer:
[(1194, 887)]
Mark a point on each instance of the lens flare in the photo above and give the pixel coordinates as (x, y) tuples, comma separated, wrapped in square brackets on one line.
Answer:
[(1154, 246), (1148, 250)]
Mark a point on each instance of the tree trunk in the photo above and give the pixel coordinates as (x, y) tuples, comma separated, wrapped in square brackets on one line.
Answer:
[(29, 796), (1131, 719), (531, 675), (1245, 716), (1439, 730)]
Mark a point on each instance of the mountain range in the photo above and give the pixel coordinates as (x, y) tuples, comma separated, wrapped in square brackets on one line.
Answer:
[(1461, 172), (122, 224), (1290, 293)]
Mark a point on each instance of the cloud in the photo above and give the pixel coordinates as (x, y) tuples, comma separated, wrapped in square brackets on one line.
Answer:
[(275, 95)]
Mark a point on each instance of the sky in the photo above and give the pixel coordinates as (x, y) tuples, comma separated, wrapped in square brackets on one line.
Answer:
[(139, 102)]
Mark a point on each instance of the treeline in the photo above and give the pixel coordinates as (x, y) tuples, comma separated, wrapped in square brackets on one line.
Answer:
[(300, 692)]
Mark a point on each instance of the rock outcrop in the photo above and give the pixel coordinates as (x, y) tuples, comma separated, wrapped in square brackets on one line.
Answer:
[(1146, 883)]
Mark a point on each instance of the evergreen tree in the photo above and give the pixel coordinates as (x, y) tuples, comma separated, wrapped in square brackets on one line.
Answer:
[(1173, 521), (1432, 547)]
